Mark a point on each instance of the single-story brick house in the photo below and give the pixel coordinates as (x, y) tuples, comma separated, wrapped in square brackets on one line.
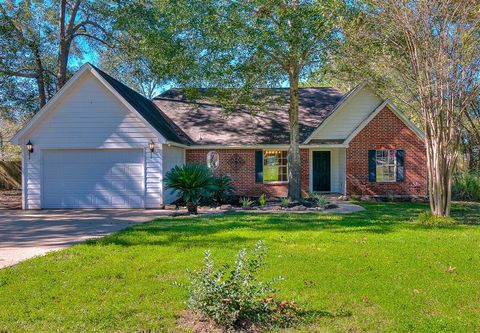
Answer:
[(99, 144)]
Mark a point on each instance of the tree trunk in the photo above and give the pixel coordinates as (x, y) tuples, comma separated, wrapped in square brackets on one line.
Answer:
[(192, 208), (440, 164), (63, 63), (294, 158), (62, 48), (39, 77)]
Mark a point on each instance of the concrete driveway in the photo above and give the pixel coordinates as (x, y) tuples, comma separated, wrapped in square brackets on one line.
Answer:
[(25, 234)]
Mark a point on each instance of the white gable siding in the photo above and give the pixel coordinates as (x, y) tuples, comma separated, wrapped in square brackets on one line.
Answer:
[(351, 114), (89, 116), (172, 156)]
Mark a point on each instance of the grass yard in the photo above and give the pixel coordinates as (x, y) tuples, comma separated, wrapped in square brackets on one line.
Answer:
[(370, 271)]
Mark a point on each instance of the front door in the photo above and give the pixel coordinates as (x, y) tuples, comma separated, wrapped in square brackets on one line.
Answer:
[(321, 171)]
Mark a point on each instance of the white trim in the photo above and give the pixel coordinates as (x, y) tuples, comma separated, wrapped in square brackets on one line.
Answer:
[(175, 144), (372, 115), (266, 146), (339, 105), (345, 172), (24, 179), (86, 67)]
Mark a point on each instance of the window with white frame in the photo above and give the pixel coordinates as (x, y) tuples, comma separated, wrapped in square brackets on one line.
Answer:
[(386, 165), (275, 166)]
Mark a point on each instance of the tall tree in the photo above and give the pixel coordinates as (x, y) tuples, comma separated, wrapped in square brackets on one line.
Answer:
[(23, 44), (432, 48), (37, 40), (258, 43), (128, 65), (80, 19)]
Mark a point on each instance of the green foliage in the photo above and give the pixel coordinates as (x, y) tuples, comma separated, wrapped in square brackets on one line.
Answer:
[(123, 282), (263, 200), (285, 202), (466, 186), (354, 198), (320, 200), (30, 47), (246, 202), (427, 219), (231, 296), (193, 182), (223, 189)]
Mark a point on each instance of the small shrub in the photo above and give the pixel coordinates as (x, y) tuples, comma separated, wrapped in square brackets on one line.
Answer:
[(319, 200), (354, 198), (285, 203), (234, 296), (223, 189), (246, 202), (426, 218), (263, 200), (390, 197)]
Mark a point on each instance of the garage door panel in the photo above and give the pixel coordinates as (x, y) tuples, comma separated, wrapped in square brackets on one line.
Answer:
[(93, 179)]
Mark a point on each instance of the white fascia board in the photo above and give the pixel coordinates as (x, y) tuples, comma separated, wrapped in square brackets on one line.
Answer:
[(339, 106), (175, 144), (372, 115), (266, 146)]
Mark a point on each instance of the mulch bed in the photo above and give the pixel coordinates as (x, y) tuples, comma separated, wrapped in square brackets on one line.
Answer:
[(10, 199), (198, 324)]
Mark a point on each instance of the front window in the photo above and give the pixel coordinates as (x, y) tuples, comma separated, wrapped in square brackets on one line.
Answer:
[(275, 166), (386, 165)]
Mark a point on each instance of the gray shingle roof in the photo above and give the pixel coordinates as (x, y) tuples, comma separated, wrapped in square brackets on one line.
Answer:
[(207, 124)]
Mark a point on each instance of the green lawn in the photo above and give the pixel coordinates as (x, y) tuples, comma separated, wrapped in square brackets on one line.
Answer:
[(370, 271)]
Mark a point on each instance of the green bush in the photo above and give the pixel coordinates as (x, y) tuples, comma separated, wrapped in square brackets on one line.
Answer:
[(223, 189), (354, 198), (319, 200), (262, 200), (233, 296), (285, 202), (426, 218), (466, 186), (246, 202), (194, 182)]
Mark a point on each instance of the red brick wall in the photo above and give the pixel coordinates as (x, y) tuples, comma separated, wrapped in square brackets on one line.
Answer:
[(386, 131), (239, 164)]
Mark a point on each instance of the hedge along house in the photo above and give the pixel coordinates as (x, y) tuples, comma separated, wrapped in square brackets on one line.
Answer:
[(99, 144)]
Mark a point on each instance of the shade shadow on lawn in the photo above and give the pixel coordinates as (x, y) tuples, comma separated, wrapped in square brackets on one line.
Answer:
[(379, 218)]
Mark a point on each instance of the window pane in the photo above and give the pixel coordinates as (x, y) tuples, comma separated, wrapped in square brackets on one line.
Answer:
[(386, 165), (379, 173), (275, 165)]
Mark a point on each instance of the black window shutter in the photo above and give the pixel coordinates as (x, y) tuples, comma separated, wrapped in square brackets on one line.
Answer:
[(372, 166), (400, 154), (258, 166)]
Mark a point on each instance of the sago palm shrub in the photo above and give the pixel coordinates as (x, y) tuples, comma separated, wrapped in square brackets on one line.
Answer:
[(193, 182), (224, 189)]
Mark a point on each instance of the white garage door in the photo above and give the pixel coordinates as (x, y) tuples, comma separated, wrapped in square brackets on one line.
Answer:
[(98, 178)]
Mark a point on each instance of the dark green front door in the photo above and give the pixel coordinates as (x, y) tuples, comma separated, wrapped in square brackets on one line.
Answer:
[(321, 171)]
